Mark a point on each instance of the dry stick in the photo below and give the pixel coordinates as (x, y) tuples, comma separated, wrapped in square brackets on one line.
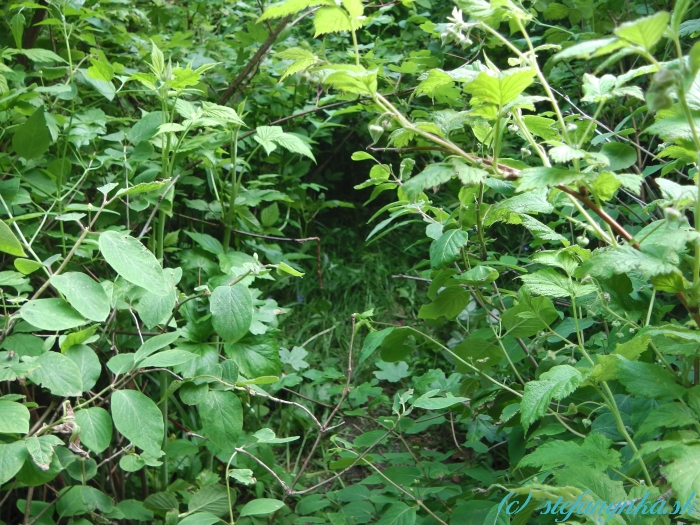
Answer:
[(9, 491), (287, 490), (28, 505), (300, 241), (253, 62), (324, 428), (41, 513)]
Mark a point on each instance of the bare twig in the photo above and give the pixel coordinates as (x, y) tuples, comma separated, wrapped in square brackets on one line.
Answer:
[(254, 61)]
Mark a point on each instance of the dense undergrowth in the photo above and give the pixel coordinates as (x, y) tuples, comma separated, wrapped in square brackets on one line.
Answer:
[(405, 263)]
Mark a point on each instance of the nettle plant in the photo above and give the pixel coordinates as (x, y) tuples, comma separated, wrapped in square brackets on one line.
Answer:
[(583, 355)]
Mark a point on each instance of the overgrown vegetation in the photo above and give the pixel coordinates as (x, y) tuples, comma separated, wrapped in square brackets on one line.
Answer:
[(349, 263)]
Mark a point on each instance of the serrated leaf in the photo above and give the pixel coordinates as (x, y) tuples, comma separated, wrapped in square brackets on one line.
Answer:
[(144, 187), (242, 475), (502, 88), (290, 7), (557, 383), (645, 32), (550, 283), (648, 380), (527, 318), (446, 249), (331, 20)]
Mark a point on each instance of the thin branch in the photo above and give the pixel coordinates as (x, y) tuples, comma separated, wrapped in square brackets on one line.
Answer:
[(254, 61)]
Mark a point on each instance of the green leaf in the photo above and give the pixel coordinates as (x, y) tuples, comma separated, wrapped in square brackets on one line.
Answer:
[(41, 450), (502, 88), (392, 372), (621, 156), (131, 260), (269, 137), (14, 418), (12, 457), (222, 420), (284, 268), (645, 32), (242, 475), (449, 303), (428, 401), (433, 175), (261, 507), (144, 187), (25, 266), (648, 380), (541, 126), (595, 453), (445, 250), (50, 314), (545, 177), (397, 345), (87, 362), (290, 7), (154, 344), (161, 501), (302, 58), (95, 428), (121, 363), (480, 353), (42, 55), (331, 20), (231, 311), (207, 242), (527, 318), (210, 498), (31, 140), (166, 358), (550, 283), (684, 473), (57, 373), (557, 383), (138, 419), (131, 463), (294, 358), (83, 294), (372, 342), (146, 128), (556, 11), (10, 244), (398, 514), (201, 518), (590, 49), (267, 435), (671, 415), (436, 79), (255, 356)]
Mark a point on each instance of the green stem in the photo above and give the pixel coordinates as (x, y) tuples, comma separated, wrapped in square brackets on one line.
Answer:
[(233, 194)]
